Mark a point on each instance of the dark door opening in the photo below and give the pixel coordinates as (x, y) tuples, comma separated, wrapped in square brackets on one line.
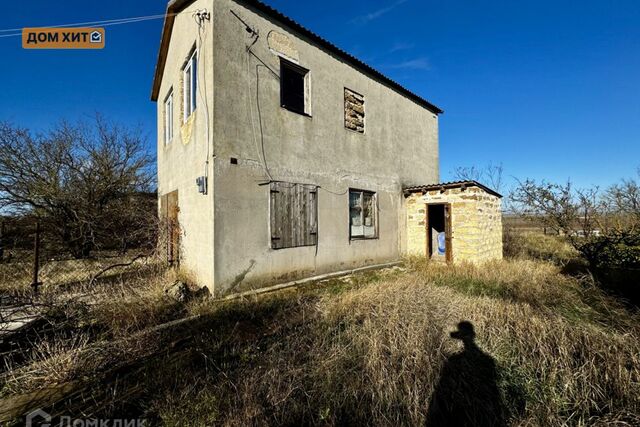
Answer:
[(439, 232)]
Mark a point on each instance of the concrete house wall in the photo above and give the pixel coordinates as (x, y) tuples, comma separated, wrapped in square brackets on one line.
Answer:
[(399, 147), (226, 240), (184, 158)]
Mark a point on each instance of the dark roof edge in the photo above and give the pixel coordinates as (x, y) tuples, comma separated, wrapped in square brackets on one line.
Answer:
[(447, 185), (175, 5)]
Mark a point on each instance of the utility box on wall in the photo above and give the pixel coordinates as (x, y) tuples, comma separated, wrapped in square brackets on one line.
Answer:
[(466, 216)]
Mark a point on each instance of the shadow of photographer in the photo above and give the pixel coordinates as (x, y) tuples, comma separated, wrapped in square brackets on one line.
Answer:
[(467, 393)]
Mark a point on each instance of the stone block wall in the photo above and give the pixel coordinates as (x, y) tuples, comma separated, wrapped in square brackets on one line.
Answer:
[(476, 223), (416, 233)]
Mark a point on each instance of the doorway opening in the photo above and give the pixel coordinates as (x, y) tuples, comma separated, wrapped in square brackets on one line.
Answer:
[(439, 232)]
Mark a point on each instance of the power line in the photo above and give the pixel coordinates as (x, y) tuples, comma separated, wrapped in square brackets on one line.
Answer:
[(103, 23)]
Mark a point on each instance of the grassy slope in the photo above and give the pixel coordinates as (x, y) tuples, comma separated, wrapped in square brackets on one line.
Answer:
[(373, 351)]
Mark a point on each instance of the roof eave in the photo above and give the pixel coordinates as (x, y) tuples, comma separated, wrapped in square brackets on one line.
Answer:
[(175, 6), (448, 185)]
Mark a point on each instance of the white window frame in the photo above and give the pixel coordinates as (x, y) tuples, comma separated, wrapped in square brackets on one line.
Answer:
[(168, 117), (374, 217), (190, 85)]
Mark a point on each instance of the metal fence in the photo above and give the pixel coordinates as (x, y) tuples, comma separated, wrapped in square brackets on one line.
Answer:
[(33, 255)]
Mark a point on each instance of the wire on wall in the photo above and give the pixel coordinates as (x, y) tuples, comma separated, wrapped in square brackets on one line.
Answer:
[(254, 36), (200, 16)]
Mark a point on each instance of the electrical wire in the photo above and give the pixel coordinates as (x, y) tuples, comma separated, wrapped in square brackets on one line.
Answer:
[(261, 153), (200, 16), (264, 156), (102, 23), (334, 192), (256, 36)]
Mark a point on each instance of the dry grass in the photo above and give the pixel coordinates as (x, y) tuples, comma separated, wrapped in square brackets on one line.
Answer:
[(536, 245), (16, 274), (135, 305), (375, 353), (81, 321), (373, 348), (52, 362)]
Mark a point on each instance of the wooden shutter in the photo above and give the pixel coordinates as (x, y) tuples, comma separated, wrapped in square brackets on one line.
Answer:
[(169, 207), (294, 215)]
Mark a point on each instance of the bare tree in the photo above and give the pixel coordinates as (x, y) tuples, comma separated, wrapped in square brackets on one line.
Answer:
[(624, 198), (592, 220), (83, 181), (490, 175)]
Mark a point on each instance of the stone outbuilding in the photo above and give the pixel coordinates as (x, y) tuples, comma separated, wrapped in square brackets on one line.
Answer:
[(454, 222)]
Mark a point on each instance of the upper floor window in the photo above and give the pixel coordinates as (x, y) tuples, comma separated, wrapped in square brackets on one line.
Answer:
[(168, 117), (353, 110), (294, 87), (363, 214), (190, 85)]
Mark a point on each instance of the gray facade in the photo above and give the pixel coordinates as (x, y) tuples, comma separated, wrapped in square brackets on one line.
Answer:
[(252, 140)]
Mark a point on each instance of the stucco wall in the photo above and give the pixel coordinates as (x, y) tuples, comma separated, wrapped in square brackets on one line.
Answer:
[(398, 148), (183, 159), (476, 223)]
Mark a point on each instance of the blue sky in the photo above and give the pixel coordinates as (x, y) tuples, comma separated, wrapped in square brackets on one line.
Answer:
[(550, 89)]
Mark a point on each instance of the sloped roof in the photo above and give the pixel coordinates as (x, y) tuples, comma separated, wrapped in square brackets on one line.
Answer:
[(175, 6), (452, 184)]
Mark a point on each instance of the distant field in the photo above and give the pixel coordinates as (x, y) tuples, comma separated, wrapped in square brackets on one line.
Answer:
[(518, 223)]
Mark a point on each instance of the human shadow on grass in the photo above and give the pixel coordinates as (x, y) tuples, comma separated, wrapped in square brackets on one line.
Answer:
[(467, 393)]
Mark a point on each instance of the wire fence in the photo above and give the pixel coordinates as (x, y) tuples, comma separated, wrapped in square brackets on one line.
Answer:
[(33, 255), (41, 274)]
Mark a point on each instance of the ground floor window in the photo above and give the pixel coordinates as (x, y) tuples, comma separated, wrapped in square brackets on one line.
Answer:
[(363, 214)]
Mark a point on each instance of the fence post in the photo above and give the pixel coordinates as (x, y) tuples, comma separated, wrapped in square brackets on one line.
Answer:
[(36, 259)]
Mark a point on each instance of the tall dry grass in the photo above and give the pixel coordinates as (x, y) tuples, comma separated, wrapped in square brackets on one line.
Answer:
[(536, 245), (376, 353), (374, 348), (75, 328)]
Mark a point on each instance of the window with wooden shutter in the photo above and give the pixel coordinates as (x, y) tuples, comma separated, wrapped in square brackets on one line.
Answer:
[(294, 215)]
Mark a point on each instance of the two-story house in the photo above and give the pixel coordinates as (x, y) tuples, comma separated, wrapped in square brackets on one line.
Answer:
[(280, 156)]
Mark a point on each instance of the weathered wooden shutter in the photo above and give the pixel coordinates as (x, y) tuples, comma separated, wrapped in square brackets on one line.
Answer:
[(294, 215), (169, 209)]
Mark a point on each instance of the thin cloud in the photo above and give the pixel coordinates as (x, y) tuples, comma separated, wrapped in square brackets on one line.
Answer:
[(363, 19), (400, 46), (411, 64)]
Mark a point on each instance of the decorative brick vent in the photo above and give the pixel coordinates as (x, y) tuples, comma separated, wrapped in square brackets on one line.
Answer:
[(353, 111)]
